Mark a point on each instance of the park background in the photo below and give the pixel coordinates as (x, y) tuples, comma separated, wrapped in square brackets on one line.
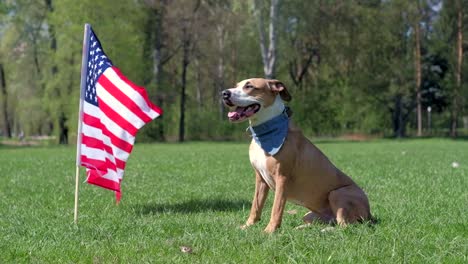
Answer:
[(362, 70), (355, 69)]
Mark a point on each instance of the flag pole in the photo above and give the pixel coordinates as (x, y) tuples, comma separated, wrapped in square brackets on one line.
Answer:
[(84, 68)]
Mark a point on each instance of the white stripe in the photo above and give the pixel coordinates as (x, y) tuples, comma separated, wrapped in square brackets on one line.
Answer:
[(93, 132), (97, 154), (130, 92), (93, 153), (118, 107), (113, 176), (111, 125)]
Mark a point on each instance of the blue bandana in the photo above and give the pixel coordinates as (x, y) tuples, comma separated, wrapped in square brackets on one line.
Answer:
[(270, 135)]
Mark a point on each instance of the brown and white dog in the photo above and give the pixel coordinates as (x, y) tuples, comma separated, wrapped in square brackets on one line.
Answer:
[(297, 171)]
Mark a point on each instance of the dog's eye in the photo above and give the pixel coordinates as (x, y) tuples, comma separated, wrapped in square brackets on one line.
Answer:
[(249, 86)]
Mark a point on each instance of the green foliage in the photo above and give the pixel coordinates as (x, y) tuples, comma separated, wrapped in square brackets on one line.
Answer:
[(199, 194), (349, 64)]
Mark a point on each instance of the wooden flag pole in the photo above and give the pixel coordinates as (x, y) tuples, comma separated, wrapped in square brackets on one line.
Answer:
[(77, 179), (84, 68)]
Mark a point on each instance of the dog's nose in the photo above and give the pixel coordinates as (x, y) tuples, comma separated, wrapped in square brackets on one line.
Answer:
[(226, 94)]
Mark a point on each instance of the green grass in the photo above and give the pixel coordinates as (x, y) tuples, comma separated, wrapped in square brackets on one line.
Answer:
[(198, 194)]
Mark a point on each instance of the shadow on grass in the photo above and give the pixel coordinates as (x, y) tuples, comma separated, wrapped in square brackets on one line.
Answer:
[(193, 206)]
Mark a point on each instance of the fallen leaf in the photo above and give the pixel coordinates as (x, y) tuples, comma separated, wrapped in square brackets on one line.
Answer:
[(187, 250), (293, 212), (327, 229)]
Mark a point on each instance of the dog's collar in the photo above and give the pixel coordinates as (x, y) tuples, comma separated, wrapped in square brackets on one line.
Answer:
[(270, 135)]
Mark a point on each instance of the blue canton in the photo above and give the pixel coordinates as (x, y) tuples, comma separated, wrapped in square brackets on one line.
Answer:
[(270, 135), (97, 64)]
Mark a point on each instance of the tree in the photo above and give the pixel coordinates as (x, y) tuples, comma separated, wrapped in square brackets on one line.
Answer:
[(458, 70), (3, 90), (268, 48), (304, 40), (22, 52), (449, 30), (161, 54), (417, 65)]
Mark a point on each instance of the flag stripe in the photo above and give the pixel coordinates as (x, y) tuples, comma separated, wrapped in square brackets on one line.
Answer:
[(95, 178), (99, 144), (104, 165), (106, 136), (93, 142), (96, 163), (129, 88), (123, 101), (116, 117), (109, 124)]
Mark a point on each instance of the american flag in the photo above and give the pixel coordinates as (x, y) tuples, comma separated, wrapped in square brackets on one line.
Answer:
[(113, 109)]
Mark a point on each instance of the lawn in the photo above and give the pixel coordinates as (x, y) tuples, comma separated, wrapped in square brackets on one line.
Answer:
[(197, 195)]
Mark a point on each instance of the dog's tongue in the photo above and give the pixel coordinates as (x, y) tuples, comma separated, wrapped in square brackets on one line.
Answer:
[(242, 112), (237, 114)]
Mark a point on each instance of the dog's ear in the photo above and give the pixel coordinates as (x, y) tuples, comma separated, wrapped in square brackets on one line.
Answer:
[(278, 87)]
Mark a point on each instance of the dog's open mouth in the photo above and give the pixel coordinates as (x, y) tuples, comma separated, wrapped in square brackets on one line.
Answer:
[(243, 112)]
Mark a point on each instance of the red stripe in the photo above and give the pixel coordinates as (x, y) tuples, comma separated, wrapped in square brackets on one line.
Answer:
[(116, 141), (115, 91), (99, 144), (120, 164), (139, 90), (102, 166), (95, 178), (95, 143), (118, 119)]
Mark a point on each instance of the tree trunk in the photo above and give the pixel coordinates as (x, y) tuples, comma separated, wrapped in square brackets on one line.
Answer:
[(220, 69), (268, 54), (158, 63), (198, 77), (53, 39), (458, 73), (3, 89), (417, 62), (185, 63), (63, 129), (398, 117)]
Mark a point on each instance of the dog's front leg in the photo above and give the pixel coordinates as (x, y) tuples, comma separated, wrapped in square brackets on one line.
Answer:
[(278, 206), (261, 191)]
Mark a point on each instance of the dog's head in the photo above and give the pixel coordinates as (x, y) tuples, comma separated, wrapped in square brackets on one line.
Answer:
[(255, 97)]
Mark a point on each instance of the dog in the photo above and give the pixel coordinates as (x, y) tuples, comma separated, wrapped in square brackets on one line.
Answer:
[(286, 162)]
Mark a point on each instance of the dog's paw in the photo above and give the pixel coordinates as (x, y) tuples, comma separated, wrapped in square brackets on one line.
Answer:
[(270, 229)]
